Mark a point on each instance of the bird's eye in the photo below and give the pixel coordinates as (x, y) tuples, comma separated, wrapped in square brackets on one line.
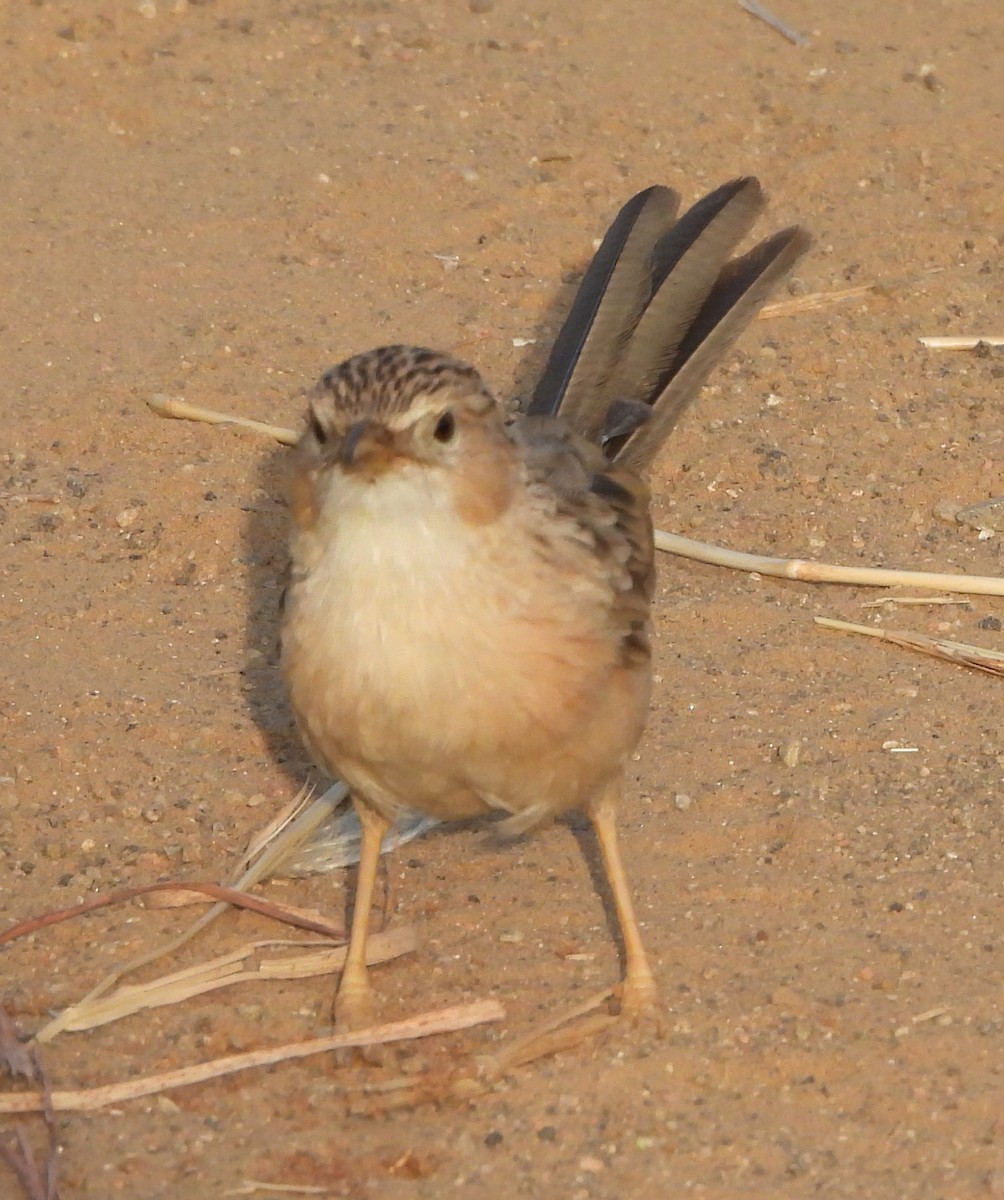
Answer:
[(446, 427)]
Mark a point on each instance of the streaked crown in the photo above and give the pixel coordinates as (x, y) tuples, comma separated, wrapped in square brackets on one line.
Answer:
[(393, 385)]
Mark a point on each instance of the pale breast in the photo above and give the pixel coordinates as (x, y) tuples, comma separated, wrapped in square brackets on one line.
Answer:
[(439, 662)]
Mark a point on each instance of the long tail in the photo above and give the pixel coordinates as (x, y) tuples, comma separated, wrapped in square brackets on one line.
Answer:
[(659, 306)]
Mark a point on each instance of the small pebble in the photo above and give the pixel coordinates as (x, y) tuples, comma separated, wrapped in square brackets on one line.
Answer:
[(946, 510), (987, 514), (789, 753), (682, 801)]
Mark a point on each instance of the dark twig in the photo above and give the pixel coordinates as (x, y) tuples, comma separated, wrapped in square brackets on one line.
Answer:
[(16, 1151), (214, 890)]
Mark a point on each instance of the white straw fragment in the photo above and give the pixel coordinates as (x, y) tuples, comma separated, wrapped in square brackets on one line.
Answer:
[(170, 406), (816, 572), (447, 1020), (961, 343)]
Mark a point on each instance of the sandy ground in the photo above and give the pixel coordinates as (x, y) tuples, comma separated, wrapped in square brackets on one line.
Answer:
[(219, 199)]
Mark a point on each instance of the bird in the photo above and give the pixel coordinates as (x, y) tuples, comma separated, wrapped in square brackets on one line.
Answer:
[(466, 626)]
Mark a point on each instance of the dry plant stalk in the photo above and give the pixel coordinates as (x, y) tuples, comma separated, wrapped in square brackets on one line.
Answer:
[(817, 572), (446, 1020), (756, 9), (672, 543), (223, 972), (173, 406), (226, 896), (962, 343), (230, 897), (299, 827), (814, 301), (885, 601), (38, 1182), (251, 1187), (978, 657)]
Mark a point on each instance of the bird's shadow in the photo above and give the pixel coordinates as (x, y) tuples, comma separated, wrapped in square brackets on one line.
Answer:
[(264, 539)]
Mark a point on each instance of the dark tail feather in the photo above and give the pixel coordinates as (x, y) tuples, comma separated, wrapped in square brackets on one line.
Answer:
[(688, 260), (660, 304), (742, 287), (610, 300)]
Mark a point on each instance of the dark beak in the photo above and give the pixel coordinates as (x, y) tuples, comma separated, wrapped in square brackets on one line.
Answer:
[(368, 447)]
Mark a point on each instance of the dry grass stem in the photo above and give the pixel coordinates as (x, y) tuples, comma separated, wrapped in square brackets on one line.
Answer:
[(282, 819), (251, 1187), (228, 896), (447, 1020), (755, 9), (558, 1033), (978, 657), (908, 600), (784, 568), (961, 343), (37, 1182), (814, 301), (170, 406), (815, 572), (931, 1014), (227, 970), (298, 830)]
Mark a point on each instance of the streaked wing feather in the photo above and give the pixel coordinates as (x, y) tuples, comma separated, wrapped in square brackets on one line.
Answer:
[(628, 499)]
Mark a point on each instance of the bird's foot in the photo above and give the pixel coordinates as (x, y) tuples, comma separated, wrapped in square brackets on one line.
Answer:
[(353, 1013)]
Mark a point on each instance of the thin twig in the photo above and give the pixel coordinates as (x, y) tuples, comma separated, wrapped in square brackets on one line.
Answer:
[(884, 601), (756, 9), (962, 343), (299, 828), (225, 971), (266, 908), (171, 406), (813, 301), (226, 896), (251, 1186), (17, 1152), (978, 657), (816, 572), (447, 1020), (810, 572)]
